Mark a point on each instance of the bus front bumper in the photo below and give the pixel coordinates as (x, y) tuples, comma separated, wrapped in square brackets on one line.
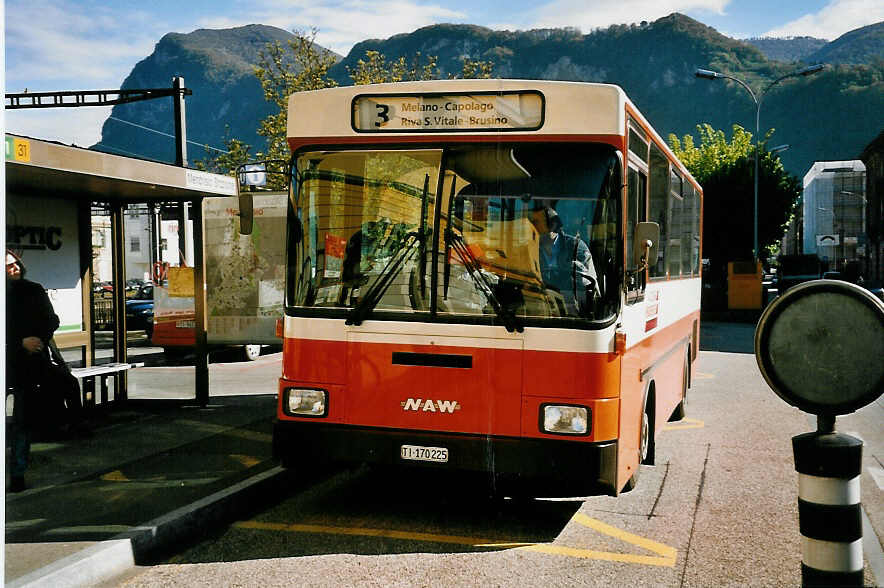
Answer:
[(569, 466)]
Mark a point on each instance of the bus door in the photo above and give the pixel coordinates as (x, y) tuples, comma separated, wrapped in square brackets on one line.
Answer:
[(632, 389)]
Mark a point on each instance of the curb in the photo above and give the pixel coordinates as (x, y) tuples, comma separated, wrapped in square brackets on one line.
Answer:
[(143, 543), (88, 567), (151, 539)]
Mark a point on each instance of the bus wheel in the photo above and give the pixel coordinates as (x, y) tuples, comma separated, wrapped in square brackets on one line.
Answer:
[(644, 448), (679, 412), (251, 352)]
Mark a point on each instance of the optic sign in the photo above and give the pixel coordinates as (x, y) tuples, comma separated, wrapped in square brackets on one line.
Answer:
[(421, 113)]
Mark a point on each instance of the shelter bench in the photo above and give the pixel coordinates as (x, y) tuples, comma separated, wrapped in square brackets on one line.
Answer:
[(87, 376)]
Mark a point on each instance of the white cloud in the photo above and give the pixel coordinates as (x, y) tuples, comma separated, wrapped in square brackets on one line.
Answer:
[(52, 41), (70, 45), (835, 19), (71, 126), (590, 14)]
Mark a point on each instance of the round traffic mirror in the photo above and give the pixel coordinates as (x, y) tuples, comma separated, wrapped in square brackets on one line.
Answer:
[(820, 347)]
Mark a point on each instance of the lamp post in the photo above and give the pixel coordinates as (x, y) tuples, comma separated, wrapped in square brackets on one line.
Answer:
[(713, 75)]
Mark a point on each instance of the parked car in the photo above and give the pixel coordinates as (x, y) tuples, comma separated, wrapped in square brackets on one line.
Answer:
[(139, 310)]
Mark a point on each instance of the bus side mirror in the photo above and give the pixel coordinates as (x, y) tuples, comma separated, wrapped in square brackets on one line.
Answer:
[(645, 244), (250, 174), (246, 212)]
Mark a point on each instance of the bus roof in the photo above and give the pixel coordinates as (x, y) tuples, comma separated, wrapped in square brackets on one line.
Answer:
[(331, 110), (396, 112)]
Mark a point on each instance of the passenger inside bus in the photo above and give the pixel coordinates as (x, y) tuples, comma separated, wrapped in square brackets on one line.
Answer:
[(565, 261)]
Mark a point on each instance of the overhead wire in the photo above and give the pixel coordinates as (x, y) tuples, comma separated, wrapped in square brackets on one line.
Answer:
[(164, 134)]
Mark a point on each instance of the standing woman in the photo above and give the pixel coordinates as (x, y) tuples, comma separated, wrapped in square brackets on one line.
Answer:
[(30, 323)]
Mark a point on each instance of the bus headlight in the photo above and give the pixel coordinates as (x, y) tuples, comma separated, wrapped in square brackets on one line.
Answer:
[(305, 402), (560, 419)]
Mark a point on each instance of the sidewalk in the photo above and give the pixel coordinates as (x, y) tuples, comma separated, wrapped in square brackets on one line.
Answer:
[(152, 471)]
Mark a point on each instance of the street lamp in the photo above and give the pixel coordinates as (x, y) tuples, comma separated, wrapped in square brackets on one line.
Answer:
[(713, 75)]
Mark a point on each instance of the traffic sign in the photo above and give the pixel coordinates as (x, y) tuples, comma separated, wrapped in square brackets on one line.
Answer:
[(819, 347)]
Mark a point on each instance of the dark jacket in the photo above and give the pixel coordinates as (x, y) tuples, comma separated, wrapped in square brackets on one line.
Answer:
[(29, 313)]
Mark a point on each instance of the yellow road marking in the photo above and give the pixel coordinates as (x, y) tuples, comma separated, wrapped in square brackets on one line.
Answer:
[(702, 376), (115, 476), (685, 423), (386, 533), (220, 429), (602, 555), (666, 555), (246, 460)]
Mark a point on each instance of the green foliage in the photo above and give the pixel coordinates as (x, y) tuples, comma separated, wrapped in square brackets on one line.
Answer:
[(714, 151), (281, 73), (474, 69), (302, 66), (725, 169), (236, 154), (375, 69)]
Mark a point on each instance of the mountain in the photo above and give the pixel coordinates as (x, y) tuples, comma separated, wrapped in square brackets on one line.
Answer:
[(788, 50), (831, 115), (218, 66), (863, 45)]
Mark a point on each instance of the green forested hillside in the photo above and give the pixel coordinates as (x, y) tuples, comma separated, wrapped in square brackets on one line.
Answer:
[(787, 50), (832, 115), (861, 46)]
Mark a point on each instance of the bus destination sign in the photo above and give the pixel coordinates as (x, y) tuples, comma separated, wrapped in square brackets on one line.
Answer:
[(409, 113)]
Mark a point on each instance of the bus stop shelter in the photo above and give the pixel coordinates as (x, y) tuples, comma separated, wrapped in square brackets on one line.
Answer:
[(50, 191)]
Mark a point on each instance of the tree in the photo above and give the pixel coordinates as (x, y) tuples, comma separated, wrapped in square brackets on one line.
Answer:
[(281, 72), (725, 171), (474, 69), (375, 69), (227, 161), (304, 66)]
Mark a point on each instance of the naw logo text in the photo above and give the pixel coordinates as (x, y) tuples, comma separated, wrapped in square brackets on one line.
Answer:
[(429, 405)]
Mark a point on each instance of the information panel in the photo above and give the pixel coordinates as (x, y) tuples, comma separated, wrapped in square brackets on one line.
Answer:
[(404, 113)]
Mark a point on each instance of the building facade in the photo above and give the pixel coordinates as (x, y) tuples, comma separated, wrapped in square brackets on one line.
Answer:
[(835, 216), (873, 157)]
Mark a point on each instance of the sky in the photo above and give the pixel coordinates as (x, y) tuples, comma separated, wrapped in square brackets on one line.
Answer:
[(91, 44)]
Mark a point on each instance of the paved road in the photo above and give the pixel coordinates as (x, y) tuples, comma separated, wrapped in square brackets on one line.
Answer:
[(719, 508)]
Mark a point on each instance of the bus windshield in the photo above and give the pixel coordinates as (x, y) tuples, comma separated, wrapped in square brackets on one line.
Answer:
[(508, 231)]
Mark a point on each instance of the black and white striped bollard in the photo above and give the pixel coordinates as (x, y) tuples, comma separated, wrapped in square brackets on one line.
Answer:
[(813, 345), (829, 506)]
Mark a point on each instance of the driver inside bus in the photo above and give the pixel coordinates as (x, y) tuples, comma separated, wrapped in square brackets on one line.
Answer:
[(565, 262)]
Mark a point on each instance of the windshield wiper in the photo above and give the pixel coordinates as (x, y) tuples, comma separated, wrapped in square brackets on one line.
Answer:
[(468, 259), (385, 278), (400, 257), (422, 267), (446, 275)]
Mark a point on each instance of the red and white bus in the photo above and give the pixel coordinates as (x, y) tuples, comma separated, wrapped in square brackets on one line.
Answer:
[(490, 275)]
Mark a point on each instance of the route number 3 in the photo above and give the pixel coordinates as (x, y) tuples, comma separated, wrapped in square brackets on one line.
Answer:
[(383, 115)]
